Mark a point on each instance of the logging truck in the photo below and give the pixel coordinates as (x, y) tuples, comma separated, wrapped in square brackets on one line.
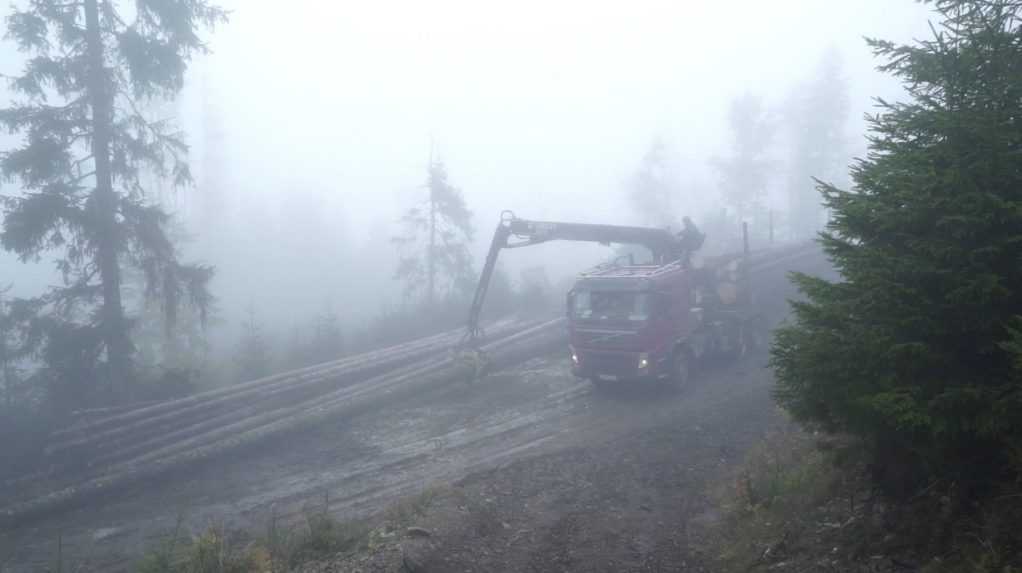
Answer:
[(657, 320)]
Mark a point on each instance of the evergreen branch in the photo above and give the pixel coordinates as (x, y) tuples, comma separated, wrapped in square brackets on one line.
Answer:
[(82, 177), (76, 165)]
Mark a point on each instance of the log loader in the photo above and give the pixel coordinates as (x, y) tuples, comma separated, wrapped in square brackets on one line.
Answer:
[(653, 320)]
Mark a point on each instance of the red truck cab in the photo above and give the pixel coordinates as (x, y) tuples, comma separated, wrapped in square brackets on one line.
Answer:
[(637, 321), (632, 322)]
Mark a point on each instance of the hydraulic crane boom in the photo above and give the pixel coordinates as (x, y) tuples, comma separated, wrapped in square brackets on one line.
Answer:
[(664, 246)]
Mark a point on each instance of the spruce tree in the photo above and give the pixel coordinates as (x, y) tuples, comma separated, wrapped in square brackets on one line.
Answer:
[(84, 153), (252, 358), (745, 171), (654, 190), (11, 354), (816, 116), (327, 338), (436, 239), (317, 341), (916, 347)]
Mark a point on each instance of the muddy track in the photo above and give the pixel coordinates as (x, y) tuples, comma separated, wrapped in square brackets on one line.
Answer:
[(439, 433), (139, 446), (361, 465)]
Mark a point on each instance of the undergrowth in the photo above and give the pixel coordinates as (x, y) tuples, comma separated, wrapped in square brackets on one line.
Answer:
[(279, 549), (803, 502), (283, 545), (767, 504)]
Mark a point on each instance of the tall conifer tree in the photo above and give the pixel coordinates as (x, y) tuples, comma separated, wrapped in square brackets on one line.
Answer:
[(436, 240), (916, 346), (85, 149)]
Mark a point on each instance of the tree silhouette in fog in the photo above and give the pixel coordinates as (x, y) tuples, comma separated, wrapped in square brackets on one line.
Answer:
[(653, 190), (434, 244), (745, 171), (816, 116), (84, 153), (253, 356)]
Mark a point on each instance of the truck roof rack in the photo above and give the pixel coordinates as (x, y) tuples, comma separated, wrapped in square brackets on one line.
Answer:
[(610, 270)]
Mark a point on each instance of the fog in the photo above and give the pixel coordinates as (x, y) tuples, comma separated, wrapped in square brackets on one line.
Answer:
[(311, 125)]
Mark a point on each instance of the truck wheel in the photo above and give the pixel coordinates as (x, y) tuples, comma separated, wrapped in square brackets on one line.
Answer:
[(681, 369)]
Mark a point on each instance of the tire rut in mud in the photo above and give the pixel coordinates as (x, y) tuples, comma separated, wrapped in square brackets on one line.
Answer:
[(628, 495)]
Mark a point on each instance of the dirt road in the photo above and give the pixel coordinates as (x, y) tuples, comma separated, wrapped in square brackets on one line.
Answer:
[(620, 485), (581, 447)]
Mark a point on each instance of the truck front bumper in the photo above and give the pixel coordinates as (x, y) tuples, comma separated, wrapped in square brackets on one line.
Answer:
[(618, 366)]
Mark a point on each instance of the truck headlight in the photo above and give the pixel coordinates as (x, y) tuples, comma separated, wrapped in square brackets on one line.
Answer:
[(643, 361), (574, 357)]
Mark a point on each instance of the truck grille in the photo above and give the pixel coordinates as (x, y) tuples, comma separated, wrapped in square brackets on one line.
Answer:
[(615, 338), (606, 363)]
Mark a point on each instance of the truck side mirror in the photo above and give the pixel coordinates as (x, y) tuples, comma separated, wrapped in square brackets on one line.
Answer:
[(569, 303)]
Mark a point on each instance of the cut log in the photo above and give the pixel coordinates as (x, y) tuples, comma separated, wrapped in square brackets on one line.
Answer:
[(347, 403)]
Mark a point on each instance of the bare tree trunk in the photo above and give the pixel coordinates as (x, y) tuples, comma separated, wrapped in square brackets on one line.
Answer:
[(6, 376), (431, 256), (118, 346)]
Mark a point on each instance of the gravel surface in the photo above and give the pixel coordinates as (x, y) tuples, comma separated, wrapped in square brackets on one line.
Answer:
[(625, 491)]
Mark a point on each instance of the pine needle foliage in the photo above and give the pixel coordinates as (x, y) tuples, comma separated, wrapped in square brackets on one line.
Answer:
[(918, 346), (84, 152), (434, 244), (746, 171)]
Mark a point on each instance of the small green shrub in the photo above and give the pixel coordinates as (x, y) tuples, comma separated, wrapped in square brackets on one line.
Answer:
[(215, 551)]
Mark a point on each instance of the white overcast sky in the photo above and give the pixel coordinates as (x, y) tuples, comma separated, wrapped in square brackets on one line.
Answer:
[(540, 106)]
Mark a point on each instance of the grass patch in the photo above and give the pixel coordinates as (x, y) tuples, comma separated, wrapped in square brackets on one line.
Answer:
[(405, 512), (216, 550), (283, 546), (322, 535), (789, 488)]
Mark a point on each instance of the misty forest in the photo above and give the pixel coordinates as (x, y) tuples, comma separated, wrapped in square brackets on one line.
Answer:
[(667, 286)]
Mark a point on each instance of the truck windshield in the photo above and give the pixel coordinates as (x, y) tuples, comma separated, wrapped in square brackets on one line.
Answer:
[(611, 305)]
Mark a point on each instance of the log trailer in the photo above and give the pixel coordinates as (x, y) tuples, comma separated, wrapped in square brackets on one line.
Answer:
[(627, 322)]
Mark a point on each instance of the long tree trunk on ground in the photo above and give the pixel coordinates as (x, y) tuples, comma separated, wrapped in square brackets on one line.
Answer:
[(115, 335), (340, 405)]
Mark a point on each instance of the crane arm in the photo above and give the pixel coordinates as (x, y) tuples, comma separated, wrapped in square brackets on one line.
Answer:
[(662, 243)]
